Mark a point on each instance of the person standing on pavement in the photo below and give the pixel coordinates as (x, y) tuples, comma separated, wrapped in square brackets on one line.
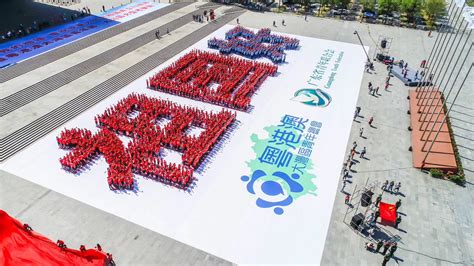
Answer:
[(398, 204), (371, 120), (379, 246), (351, 164), (423, 63), (378, 200), (343, 185), (386, 258), (361, 132), (376, 216), (362, 153), (398, 221), (393, 248), (385, 247), (397, 187), (354, 146), (390, 187)]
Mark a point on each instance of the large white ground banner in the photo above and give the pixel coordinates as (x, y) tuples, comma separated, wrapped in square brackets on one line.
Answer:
[(267, 192)]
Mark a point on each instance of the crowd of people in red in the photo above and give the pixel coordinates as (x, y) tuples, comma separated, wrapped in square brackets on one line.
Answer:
[(141, 156), (245, 42), (218, 79), (194, 75), (86, 147)]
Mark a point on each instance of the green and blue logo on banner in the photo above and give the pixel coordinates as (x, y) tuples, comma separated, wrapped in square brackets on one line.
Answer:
[(313, 94), (281, 172), (312, 97)]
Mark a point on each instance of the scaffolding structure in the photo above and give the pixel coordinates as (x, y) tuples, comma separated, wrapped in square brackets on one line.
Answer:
[(385, 51), (353, 209), (447, 68)]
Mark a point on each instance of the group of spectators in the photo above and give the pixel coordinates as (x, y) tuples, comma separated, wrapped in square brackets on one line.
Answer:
[(61, 2), (207, 15), (36, 26)]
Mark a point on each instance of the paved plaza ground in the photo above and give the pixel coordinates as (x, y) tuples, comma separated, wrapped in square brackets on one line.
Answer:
[(437, 225)]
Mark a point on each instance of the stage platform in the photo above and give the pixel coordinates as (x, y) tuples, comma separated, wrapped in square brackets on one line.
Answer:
[(410, 79), (442, 154)]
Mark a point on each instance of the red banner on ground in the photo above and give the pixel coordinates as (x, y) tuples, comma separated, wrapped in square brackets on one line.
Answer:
[(388, 212), (20, 246)]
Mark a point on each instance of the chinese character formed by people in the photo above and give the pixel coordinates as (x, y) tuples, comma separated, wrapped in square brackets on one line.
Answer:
[(244, 42)]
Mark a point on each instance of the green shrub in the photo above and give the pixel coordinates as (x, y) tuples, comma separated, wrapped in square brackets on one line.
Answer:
[(458, 179), (436, 173)]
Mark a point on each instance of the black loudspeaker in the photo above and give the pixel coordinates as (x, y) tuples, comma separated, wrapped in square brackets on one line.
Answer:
[(357, 220), (380, 57), (383, 44), (366, 198)]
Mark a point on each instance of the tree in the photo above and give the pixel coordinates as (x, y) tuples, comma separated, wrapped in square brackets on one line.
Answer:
[(433, 9), (344, 3), (386, 7), (410, 7), (369, 5)]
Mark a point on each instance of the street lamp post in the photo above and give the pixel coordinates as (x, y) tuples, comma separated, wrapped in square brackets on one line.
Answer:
[(360, 40)]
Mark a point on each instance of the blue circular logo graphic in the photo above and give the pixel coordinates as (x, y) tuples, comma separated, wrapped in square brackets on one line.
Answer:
[(271, 190)]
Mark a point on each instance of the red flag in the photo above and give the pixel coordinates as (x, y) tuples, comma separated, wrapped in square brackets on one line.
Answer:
[(388, 212), (23, 247)]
